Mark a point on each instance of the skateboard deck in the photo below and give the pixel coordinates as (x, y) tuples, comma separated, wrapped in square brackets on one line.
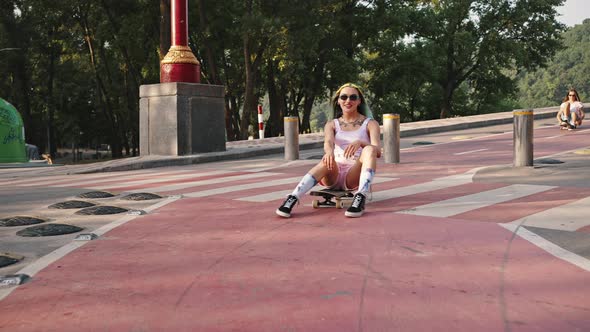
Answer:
[(332, 198)]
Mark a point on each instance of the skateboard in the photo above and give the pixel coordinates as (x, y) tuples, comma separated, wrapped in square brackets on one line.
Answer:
[(332, 198), (566, 126)]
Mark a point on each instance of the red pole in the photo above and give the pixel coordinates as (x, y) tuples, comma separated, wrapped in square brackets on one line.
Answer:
[(180, 64), (260, 122)]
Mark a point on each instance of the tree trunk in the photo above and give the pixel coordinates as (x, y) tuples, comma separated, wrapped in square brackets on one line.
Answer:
[(252, 69), (31, 132), (277, 106), (49, 100), (213, 72), (249, 102), (235, 117), (446, 108), (310, 93), (165, 39), (102, 95)]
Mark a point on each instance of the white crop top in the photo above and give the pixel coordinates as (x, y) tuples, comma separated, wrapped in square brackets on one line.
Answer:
[(343, 138)]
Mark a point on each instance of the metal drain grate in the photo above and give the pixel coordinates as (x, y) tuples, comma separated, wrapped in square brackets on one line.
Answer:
[(71, 205), (101, 210), (96, 194), (141, 197), (48, 230), (549, 161), (422, 143), (20, 221)]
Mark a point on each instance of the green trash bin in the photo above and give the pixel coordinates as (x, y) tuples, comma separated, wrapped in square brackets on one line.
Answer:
[(12, 135)]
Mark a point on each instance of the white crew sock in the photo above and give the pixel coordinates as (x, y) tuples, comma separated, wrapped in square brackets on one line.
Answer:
[(365, 181), (304, 185)]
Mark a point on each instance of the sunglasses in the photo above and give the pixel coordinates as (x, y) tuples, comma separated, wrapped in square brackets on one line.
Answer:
[(352, 97)]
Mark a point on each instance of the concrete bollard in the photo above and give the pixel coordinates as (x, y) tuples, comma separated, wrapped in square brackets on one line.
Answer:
[(291, 125), (523, 138), (391, 135)]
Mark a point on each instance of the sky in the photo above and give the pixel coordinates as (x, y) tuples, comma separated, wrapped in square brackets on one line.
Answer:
[(574, 12)]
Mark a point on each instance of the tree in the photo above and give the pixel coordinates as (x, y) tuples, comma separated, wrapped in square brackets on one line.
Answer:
[(477, 41), (569, 68)]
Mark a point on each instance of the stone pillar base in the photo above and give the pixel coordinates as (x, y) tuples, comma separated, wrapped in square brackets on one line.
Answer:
[(178, 119)]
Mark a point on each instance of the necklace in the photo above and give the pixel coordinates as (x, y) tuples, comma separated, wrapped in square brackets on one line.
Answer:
[(356, 123)]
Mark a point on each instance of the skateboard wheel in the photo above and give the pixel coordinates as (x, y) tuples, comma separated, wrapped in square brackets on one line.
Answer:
[(315, 204), (340, 204)]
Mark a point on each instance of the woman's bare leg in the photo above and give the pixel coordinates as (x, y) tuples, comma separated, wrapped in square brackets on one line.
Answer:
[(362, 173), (317, 173)]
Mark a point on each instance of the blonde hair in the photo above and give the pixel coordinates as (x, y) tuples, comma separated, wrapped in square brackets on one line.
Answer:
[(363, 108)]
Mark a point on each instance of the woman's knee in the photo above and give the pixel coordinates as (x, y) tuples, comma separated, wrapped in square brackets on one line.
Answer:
[(369, 151), (319, 171)]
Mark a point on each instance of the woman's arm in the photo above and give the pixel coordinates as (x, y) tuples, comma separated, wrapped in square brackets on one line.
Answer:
[(375, 135), (329, 137)]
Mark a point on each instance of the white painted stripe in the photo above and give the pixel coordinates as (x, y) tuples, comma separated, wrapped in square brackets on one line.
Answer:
[(268, 197), (549, 247), (468, 152), (80, 179), (53, 256), (127, 176), (247, 186), (162, 179), (552, 137), (425, 147), (454, 206), (376, 196), (190, 184), (567, 217), (280, 195), (436, 184), (299, 162), (45, 180)]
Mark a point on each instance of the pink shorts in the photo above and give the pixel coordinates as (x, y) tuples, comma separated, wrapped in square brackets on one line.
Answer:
[(341, 180)]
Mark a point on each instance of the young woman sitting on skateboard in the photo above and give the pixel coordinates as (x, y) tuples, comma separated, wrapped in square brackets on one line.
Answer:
[(351, 149), (571, 111)]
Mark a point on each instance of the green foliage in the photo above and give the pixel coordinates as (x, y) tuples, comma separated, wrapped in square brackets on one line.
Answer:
[(78, 66), (446, 58), (77, 73), (569, 68)]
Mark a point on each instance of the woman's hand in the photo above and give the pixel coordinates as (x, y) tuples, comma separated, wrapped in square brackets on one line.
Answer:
[(329, 160), (352, 148)]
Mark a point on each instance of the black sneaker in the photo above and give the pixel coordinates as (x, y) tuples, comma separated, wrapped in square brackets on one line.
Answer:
[(285, 209), (570, 126), (358, 206)]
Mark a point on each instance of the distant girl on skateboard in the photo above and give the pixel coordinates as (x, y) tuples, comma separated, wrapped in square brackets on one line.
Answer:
[(571, 111), (351, 149)]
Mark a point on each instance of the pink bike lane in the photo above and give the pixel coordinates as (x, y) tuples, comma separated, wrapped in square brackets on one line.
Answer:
[(218, 264), (230, 270)]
